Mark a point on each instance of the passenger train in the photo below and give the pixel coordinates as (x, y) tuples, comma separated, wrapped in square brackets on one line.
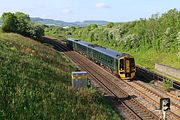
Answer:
[(120, 64)]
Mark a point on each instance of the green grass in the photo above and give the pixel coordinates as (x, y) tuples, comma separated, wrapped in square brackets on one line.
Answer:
[(166, 86), (35, 84), (148, 58)]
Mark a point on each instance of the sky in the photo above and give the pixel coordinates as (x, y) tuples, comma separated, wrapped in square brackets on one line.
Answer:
[(80, 10)]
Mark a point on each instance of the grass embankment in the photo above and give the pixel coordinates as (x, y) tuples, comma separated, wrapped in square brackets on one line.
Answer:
[(35, 84)]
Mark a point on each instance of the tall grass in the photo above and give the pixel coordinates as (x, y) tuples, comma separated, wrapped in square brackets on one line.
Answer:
[(35, 84)]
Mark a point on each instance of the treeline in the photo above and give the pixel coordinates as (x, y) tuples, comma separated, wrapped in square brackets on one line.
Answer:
[(159, 32), (21, 23), (55, 31)]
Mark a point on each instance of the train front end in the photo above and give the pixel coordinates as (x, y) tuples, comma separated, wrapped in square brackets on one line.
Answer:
[(126, 68)]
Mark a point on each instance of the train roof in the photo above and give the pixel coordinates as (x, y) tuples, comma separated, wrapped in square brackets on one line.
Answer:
[(101, 49)]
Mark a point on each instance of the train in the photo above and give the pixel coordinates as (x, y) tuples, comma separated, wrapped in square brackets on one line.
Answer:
[(120, 64)]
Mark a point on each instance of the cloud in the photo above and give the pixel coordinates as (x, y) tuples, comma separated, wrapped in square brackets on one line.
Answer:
[(101, 5), (66, 11)]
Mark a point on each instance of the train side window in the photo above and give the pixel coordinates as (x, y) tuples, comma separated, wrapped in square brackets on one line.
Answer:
[(121, 64), (111, 61)]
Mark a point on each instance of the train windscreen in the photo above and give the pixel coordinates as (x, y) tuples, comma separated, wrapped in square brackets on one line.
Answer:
[(132, 62), (121, 64)]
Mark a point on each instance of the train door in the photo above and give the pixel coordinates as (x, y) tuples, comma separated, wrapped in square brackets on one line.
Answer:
[(127, 68), (124, 68), (74, 47)]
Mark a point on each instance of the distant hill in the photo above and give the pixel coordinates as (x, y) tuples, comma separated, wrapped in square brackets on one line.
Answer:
[(62, 23), (49, 21), (88, 22)]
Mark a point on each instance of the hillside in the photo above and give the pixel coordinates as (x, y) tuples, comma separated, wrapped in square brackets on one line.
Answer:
[(35, 84), (150, 41), (63, 24)]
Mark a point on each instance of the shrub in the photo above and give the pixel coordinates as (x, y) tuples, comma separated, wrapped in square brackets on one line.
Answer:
[(167, 85), (21, 23)]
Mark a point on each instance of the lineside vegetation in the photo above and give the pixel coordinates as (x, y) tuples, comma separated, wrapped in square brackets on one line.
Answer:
[(35, 83), (21, 23), (150, 41)]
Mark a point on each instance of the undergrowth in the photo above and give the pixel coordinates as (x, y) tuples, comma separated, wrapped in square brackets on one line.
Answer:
[(35, 84)]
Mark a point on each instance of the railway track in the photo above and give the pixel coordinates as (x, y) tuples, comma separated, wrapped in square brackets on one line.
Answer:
[(147, 74), (154, 94), (155, 76), (168, 93), (131, 105), (118, 103), (126, 103), (154, 98), (120, 97), (158, 95)]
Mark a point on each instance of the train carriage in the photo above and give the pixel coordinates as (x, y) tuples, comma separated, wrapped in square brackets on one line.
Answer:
[(121, 64)]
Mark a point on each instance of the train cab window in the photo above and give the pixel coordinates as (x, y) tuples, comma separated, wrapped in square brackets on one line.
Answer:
[(121, 64), (132, 62)]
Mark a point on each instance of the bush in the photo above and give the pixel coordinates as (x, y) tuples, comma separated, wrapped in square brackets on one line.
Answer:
[(9, 22), (167, 85), (36, 31), (21, 23), (110, 24)]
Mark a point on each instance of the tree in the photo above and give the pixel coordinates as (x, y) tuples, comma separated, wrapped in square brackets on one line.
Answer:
[(36, 31), (92, 26), (110, 24), (23, 21), (9, 22)]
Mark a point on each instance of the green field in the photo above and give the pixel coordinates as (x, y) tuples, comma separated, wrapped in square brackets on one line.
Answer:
[(35, 84)]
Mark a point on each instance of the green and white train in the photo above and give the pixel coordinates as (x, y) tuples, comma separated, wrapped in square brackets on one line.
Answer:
[(121, 64)]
